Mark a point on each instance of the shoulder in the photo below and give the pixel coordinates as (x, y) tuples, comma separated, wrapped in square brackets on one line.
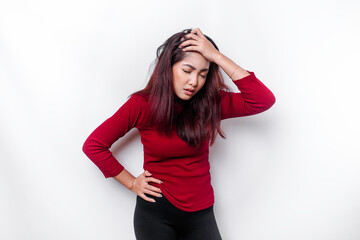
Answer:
[(135, 109), (138, 100), (134, 105)]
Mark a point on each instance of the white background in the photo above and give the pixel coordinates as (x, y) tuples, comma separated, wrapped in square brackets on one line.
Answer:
[(291, 172)]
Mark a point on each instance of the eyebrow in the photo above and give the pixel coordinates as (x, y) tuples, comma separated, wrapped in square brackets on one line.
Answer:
[(202, 70)]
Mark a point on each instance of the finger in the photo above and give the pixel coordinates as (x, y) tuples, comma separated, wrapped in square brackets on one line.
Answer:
[(147, 173), (189, 43), (154, 189), (198, 32), (143, 196), (195, 30), (192, 36), (151, 179), (190, 48), (155, 194), (189, 36)]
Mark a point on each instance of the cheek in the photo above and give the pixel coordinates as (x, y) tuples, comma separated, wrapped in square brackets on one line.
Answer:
[(202, 83), (178, 77), (177, 80), (175, 76)]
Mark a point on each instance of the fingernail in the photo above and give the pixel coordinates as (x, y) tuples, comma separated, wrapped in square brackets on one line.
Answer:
[(160, 195), (154, 200), (160, 182)]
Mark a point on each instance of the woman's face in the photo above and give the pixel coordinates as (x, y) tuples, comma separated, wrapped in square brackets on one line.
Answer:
[(189, 75)]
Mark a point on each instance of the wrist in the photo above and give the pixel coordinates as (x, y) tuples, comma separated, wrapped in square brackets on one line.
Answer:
[(131, 185), (126, 178), (218, 58)]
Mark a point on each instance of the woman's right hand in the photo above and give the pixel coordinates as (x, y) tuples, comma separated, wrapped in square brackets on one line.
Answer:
[(140, 186)]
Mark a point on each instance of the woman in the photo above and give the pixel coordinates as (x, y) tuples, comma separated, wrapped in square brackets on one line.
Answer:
[(178, 115)]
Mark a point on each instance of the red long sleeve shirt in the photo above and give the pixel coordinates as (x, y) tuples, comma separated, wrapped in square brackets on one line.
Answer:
[(184, 170)]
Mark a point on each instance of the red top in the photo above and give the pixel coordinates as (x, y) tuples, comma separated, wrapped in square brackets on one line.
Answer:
[(184, 170)]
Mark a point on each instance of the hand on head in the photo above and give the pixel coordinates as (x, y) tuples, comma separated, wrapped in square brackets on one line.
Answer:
[(197, 41)]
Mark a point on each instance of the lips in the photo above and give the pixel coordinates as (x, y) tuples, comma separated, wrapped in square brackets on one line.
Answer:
[(189, 91)]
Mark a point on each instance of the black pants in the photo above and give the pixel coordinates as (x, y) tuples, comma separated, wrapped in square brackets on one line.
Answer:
[(163, 221)]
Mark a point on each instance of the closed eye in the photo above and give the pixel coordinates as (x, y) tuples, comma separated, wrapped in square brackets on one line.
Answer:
[(190, 72)]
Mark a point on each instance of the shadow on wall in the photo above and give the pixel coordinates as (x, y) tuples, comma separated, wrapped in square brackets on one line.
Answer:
[(128, 139)]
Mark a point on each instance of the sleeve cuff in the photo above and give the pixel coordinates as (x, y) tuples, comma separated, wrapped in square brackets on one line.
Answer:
[(251, 76)]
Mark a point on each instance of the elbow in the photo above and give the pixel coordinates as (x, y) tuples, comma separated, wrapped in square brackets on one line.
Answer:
[(90, 146), (93, 146), (271, 100), (85, 147)]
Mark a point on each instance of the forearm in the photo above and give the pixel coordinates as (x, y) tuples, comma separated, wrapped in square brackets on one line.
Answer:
[(233, 70), (125, 178)]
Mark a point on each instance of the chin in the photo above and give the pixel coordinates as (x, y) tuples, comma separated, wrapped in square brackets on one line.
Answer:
[(186, 97)]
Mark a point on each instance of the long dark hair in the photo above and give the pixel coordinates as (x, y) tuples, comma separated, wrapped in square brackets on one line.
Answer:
[(200, 118)]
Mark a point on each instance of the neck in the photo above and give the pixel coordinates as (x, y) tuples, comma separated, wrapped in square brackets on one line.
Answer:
[(178, 100)]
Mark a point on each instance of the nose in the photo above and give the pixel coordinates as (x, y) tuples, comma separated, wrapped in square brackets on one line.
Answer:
[(193, 81)]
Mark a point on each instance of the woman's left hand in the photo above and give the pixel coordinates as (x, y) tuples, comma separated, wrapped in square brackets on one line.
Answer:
[(196, 41)]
